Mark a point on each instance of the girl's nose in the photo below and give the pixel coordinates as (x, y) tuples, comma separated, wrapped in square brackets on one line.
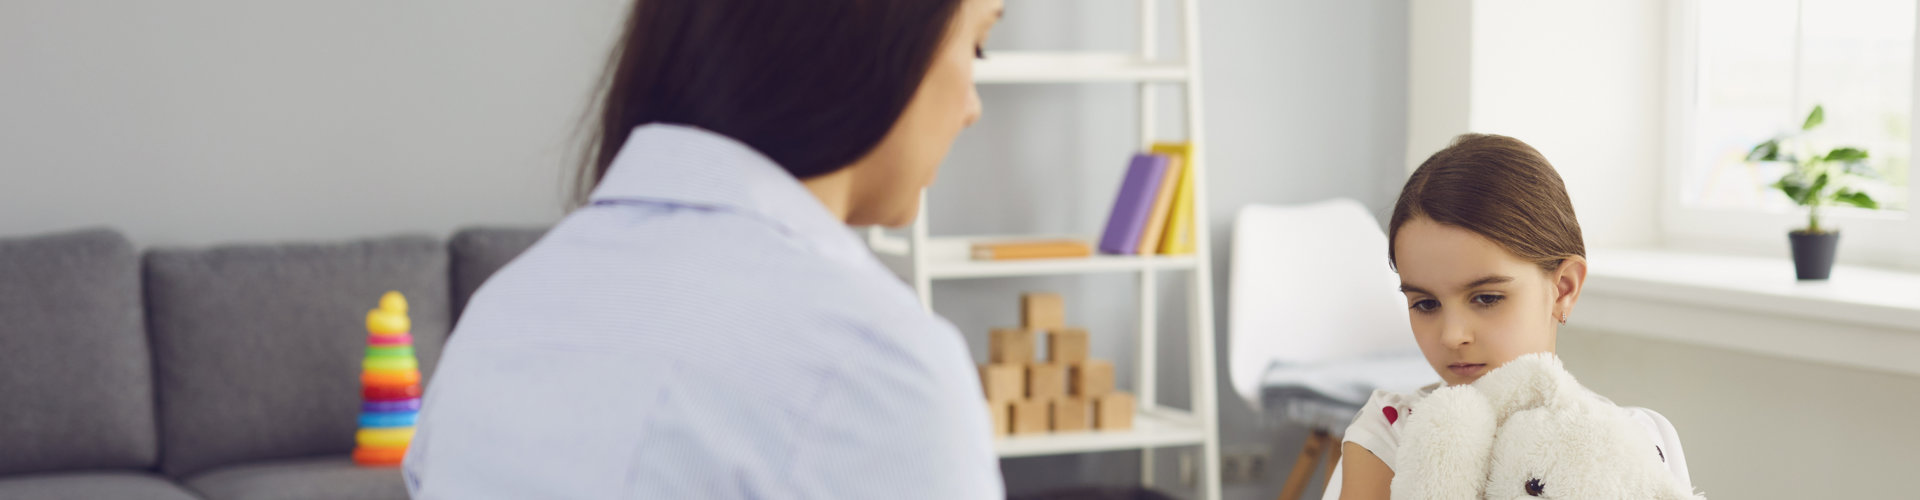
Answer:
[(1455, 334)]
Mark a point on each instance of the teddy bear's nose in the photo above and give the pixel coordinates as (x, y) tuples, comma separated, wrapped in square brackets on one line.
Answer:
[(1535, 487)]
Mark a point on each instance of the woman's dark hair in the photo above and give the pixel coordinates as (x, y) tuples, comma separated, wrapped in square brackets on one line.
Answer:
[(1499, 188), (814, 85)]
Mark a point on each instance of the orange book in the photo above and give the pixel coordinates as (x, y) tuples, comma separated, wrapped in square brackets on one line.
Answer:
[(1162, 203), (1031, 249)]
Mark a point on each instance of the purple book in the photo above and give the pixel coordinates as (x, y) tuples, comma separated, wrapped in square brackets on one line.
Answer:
[(1134, 204)]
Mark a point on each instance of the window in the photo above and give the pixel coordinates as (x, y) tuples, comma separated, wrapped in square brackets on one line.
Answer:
[(1748, 70)]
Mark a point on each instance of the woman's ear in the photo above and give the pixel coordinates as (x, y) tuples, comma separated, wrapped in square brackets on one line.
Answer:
[(1567, 280)]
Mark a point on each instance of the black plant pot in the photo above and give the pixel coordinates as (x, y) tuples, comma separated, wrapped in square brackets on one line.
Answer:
[(1813, 253)]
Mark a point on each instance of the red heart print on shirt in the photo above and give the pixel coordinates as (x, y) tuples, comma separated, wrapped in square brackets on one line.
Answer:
[(1392, 414)]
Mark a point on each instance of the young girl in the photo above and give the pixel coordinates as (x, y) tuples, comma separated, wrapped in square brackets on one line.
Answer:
[(1491, 263)]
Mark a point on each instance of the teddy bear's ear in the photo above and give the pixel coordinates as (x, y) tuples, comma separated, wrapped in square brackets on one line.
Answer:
[(1529, 381)]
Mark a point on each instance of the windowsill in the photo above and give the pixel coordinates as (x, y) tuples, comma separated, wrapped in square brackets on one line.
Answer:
[(1862, 317)]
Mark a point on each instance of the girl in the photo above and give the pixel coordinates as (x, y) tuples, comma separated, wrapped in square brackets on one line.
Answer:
[(1491, 262), (707, 326)]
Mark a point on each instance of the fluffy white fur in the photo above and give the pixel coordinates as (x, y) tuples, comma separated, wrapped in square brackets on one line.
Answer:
[(1527, 421)]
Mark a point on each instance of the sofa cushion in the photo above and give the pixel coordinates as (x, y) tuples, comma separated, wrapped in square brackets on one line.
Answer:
[(479, 252), (92, 486), (76, 378), (258, 348), (313, 478)]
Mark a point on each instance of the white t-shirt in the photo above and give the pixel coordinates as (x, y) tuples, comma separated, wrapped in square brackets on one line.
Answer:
[(1373, 429)]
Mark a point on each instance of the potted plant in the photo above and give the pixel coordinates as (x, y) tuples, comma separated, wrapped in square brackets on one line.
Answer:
[(1816, 182)]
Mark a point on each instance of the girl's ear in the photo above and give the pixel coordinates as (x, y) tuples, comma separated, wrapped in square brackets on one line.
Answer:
[(1567, 280)]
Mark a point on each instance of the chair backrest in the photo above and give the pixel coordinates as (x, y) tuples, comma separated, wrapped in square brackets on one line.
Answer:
[(1310, 283)]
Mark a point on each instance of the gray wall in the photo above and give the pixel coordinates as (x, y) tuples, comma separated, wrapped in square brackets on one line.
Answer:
[(200, 121), (1304, 101), (203, 121)]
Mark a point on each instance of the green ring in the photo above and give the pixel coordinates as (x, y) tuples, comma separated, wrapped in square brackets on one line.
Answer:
[(390, 364), (389, 351)]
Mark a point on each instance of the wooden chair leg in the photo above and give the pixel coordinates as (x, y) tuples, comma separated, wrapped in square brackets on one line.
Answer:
[(1303, 466), (1333, 458)]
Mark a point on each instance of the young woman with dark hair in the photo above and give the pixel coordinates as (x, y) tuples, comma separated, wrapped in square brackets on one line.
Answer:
[(706, 325)]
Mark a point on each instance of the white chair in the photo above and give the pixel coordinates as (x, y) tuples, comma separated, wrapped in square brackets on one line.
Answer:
[(1316, 322)]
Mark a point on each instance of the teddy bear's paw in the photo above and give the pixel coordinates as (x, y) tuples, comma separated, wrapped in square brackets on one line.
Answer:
[(1444, 446)]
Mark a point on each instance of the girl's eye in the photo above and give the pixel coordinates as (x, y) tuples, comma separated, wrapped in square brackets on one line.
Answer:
[(1426, 305), (1488, 299)]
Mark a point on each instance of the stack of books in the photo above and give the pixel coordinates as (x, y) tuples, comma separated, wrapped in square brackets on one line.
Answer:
[(1153, 213)]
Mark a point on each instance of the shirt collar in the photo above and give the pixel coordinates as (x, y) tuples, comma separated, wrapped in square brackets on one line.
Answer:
[(687, 165)]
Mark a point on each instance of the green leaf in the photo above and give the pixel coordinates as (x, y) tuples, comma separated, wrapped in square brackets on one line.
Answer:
[(1793, 188), (1813, 192), (1846, 154), (1814, 119), (1766, 151), (1856, 198)]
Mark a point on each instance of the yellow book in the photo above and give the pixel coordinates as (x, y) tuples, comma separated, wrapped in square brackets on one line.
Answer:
[(1162, 205), (1177, 238)]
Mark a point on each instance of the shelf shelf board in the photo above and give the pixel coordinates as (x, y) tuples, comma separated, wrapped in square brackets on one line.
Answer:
[(951, 258), (1074, 67), (1155, 428)]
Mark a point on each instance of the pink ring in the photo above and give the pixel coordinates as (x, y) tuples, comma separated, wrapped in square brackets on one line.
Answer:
[(386, 340)]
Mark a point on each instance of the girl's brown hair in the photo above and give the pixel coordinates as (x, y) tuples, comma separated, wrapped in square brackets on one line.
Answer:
[(1499, 188)]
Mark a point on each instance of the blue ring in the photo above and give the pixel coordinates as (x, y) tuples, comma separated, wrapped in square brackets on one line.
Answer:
[(381, 419)]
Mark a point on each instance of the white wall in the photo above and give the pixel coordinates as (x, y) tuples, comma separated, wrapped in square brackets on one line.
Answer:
[(1439, 83), (1582, 82), (203, 121)]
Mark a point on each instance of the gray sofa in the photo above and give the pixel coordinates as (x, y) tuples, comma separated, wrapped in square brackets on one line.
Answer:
[(218, 373)]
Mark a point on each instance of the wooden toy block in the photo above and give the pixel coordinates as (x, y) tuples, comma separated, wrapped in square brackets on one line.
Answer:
[(1001, 412), (1030, 416), (1090, 378), (1010, 346), (1003, 382), (1046, 380), (1067, 345), (1113, 412), (1072, 414), (1042, 311)]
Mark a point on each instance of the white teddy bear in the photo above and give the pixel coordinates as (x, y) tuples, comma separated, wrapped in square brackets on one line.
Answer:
[(1527, 429)]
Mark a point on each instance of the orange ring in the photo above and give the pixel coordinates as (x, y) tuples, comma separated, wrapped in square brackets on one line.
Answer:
[(379, 455), (383, 377)]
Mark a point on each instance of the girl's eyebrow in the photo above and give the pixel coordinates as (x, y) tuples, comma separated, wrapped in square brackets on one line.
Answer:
[(1493, 279), (1489, 280)]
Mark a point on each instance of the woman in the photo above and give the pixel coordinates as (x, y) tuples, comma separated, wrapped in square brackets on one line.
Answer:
[(706, 326)]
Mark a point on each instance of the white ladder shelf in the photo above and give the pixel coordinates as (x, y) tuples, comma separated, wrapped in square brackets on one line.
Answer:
[(922, 259)]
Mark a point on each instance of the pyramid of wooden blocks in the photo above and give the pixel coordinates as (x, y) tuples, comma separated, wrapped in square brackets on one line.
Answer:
[(1067, 391)]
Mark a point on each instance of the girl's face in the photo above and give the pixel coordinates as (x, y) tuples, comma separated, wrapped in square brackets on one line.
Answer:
[(890, 178), (1475, 306)]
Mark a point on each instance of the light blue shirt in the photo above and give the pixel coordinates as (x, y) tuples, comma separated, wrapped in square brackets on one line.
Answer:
[(705, 328)]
